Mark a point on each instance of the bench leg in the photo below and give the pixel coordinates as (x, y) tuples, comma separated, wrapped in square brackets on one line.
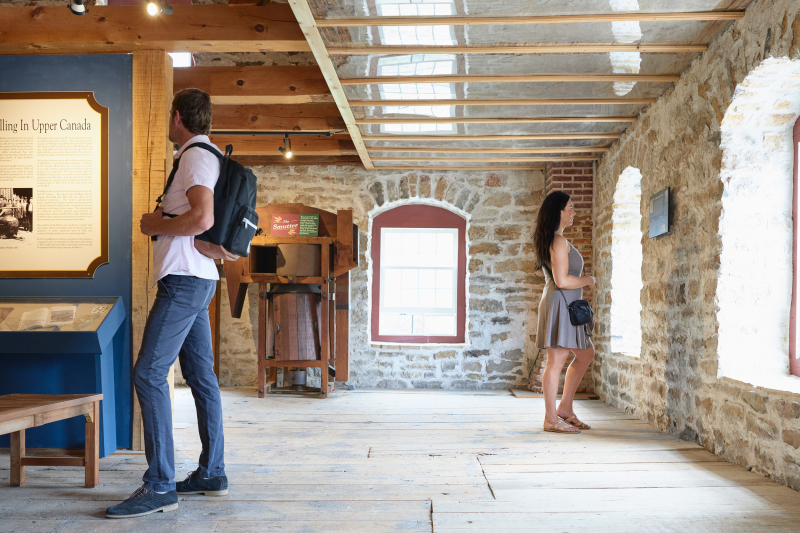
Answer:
[(17, 453), (92, 449)]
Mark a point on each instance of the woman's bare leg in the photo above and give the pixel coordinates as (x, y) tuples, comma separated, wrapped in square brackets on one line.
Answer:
[(575, 372), (556, 357)]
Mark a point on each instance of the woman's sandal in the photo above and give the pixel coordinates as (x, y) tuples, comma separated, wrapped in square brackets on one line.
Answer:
[(574, 422), (562, 427)]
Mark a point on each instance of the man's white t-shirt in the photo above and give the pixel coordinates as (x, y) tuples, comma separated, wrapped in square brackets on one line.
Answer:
[(177, 255)]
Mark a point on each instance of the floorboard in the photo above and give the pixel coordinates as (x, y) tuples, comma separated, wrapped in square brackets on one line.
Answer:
[(434, 461)]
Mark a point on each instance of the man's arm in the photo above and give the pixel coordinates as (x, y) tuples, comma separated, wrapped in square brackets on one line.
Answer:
[(199, 218)]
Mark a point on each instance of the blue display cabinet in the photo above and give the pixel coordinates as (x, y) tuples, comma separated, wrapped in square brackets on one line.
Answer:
[(62, 346)]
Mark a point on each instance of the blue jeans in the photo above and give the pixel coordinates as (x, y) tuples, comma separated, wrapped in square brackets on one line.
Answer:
[(178, 326)]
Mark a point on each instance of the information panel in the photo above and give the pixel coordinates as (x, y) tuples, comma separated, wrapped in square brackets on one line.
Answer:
[(53, 185)]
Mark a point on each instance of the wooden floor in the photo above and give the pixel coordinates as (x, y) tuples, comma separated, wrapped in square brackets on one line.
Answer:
[(376, 461)]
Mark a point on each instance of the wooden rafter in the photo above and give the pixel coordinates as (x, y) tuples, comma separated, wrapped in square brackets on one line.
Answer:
[(490, 120), (531, 137), (455, 167), (507, 101), (490, 159), (531, 78), (256, 85), (288, 118), (305, 18), (110, 29), (447, 149), (582, 48), (552, 19)]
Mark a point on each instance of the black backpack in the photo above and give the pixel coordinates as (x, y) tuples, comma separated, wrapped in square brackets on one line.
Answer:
[(235, 217)]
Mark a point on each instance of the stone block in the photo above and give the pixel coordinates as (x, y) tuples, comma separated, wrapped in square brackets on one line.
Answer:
[(475, 353), (488, 248), (791, 437), (502, 366), (487, 306), (376, 190), (499, 199), (448, 366), (449, 354), (493, 180), (472, 367), (756, 401), (501, 320), (507, 233), (788, 409), (499, 337), (512, 355), (425, 186)]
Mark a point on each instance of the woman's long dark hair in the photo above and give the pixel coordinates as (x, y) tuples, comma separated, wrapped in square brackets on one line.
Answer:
[(546, 226)]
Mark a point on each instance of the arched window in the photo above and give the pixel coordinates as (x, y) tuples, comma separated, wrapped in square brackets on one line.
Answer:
[(794, 361), (626, 260), (419, 262)]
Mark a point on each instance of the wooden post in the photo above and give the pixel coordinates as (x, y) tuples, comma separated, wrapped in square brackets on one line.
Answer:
[(17, 453), (92, 448), (343, 327), (152, 157), (324, 332), (262, 339)]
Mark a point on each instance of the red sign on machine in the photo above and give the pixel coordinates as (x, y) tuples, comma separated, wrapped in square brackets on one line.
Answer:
[(285, 226)]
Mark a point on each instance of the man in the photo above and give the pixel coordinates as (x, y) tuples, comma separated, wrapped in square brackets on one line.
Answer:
[(178, 324)]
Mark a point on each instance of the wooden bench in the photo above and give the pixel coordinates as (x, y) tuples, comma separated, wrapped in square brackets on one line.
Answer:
[(21, 411)]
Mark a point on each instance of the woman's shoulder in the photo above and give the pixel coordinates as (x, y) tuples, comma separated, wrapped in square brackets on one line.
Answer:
[(561, 241)]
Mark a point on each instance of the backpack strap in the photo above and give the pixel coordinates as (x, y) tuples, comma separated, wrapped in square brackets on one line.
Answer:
[(176, 163)]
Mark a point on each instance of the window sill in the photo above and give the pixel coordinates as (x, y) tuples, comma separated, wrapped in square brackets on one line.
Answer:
[(417, 344), (773, 384)]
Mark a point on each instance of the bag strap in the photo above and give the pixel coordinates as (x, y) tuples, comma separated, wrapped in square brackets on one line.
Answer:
[(176, 163), (556, 284)]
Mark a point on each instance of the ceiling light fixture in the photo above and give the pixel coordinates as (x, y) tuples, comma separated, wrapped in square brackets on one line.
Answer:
[(286, 149), (154, 8), (77, 7)]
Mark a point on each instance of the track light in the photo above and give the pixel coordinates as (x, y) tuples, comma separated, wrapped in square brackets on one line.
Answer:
[(286, 149), (154, 7), (77, 7)]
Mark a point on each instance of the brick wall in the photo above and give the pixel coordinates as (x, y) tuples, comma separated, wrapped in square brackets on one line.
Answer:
[(575, 179)]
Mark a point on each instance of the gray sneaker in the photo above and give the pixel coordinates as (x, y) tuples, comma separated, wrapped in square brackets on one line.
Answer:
[(143, 502), (194, 484)]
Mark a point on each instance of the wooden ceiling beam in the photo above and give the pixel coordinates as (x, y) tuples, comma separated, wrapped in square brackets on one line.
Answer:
[(279, 160), (551, 19), (521, 49), (288, 118), (455, 167), (115, 29), (531, 78), (256, 85), (447, 149), (515, 102), (531, 137), (304, 17), (490, 159), (259, 145), (490, 120)]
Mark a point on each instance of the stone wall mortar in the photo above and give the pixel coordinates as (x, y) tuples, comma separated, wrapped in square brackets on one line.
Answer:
[(676, 143)]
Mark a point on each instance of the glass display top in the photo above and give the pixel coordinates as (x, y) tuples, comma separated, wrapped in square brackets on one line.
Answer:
[(54, 314)]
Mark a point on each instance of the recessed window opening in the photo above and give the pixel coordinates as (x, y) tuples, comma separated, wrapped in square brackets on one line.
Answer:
[(418, 275), (181, 59), (626, 260), (416, 35), (757, 229), (418, 65)]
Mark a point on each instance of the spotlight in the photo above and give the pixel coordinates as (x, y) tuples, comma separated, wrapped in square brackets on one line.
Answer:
[(286, 149), (77, 7), (154, 8)]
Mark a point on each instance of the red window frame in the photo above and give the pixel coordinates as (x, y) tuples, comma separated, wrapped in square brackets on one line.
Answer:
[(420, 216), (794, 363)]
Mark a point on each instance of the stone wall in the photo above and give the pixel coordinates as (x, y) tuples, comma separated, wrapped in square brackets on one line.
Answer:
[(677, 143), (504, 291)]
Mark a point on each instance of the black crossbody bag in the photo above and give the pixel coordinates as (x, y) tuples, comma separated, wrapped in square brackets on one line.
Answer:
[(580, 312)]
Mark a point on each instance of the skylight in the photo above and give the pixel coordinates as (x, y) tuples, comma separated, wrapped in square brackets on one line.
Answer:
[(416, 35)]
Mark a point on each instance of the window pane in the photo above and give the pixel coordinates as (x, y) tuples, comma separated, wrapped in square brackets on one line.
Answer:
[(444, 279), (444, 298), (394, 324), (392, 278), (427, 298), (419, 325), (427, 279), (440, 325), (409, 297), (391, 298), (410, 278)]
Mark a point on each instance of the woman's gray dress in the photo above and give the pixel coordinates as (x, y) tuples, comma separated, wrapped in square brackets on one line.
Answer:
[(555, 329)]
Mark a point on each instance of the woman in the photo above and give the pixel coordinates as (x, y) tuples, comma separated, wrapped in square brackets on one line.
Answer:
[(562, 265)]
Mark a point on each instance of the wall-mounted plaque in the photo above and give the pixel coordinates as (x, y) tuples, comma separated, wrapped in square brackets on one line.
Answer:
[(294, 226), (659, 213), (53, 185)]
